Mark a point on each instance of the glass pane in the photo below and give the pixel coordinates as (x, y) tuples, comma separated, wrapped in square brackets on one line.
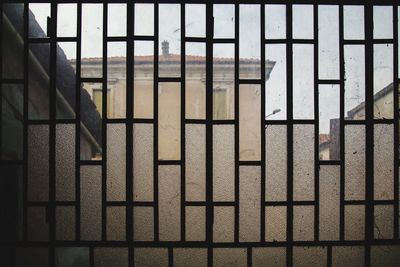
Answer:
[(385, 255), (303, 22), (169, 182), (66, 80), (195, 162), (116, 20), (328, 42), (144, 19), (92, 40), (195, 81), (329, 122), (169, 40), (39, 12), (91, 126), (91, 202), (249, 42), (383, 161), (354, 164), (65, 223), (72, 256), (229, 257), (110, 257), (116, 80), (223, 162), (383, 22), (66, 20), (383, 81), (303, 223), (275, 21), (303, 81), (383, 221), (223, 81), (151, 257), (348, 256), (276, 165), (249, 122), (223, 226), (195, 223), (354, 218), (38, 163), (65, 162), (116, 158), (250, 203), (224, 21), (143, 224), (275, 84), (195, 20), (274, 256), (38, 82), (11, 123), (143, 83), (354, 83), (353, 20), (329, 203), (12, 52), (303, 162), (37, 224), (196, 257), (116, 223), (309, 256), (169, 119), (275, 224), (143, 152)]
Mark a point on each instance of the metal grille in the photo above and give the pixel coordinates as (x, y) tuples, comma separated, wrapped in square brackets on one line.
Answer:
[(104, 187)]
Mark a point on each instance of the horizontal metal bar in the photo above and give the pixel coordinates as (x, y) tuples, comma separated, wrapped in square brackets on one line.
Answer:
[(169, 79), (91, 80), (250, 163), (329, 82), (249, 81), (224, 41), (143, 38), (329, 162), (169, 162), (195, 39)]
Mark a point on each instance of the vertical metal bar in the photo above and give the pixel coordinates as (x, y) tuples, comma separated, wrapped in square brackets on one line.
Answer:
[(237, 60), (262, 117), (2, 84), (155, 128), (249, 257), (91, 257), (342, 115), (396, 122), (52, 134), (183, 115), (104, 125), (369, 120), (77, 124), (289, 106), (25, 121), (316, 125), (170, 257), (329, 256), (209, 132), (129, 126)]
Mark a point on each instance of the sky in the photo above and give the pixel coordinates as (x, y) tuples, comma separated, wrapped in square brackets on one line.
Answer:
[(250, 45)]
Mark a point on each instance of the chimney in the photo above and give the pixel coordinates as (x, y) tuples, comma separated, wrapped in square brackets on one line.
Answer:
[(165, 48)]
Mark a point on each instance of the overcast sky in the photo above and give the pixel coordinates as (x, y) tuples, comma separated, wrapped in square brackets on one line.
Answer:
[(249, 45)]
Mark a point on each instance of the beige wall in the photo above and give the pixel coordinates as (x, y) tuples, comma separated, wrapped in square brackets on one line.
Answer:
[(169, 101)]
